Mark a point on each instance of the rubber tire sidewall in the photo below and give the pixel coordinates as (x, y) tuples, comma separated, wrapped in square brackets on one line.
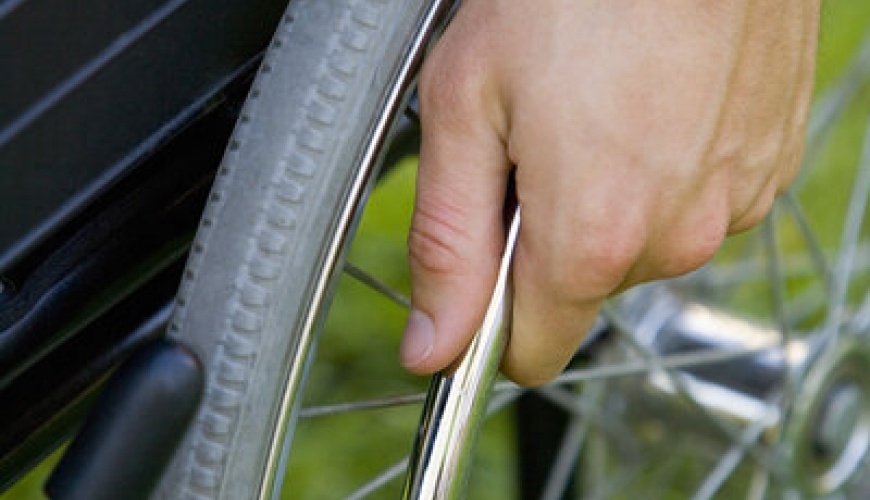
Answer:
[(284, 178)]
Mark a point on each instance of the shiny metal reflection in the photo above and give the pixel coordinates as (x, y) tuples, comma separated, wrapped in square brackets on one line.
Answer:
[(456, 404)]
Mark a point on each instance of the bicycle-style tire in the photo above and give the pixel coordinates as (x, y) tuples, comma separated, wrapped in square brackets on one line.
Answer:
[(257, 257), (289, 177)]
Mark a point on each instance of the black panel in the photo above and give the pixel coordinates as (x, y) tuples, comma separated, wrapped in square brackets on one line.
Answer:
[(88, 88), (53, 358)]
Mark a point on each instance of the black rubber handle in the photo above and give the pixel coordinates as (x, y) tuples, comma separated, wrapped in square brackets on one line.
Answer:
[(130, 436)]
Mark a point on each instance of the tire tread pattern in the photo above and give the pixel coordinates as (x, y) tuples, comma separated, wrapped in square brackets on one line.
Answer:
[(234, 360)]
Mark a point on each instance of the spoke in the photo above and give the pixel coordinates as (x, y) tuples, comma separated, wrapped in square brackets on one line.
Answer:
[(834, 103), (849, 243), (641, 367), (730, 461), (585, 408), (393, 472), (775, 277), (861, 320), (373, 404), (749, 270), (720, 275), (777, 294), (384, 478), (655, 474), (623, 479), (377, 285), (563, 468), (814, 246), (610, 372), (595, 461), (810, 302), (726, 275), (663, 475), (501, 400), (585, 412), (759, 485), (763, 456), (507, 394), (570, 402)]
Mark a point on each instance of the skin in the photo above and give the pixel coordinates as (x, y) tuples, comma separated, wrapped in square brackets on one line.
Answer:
[(641, 133)]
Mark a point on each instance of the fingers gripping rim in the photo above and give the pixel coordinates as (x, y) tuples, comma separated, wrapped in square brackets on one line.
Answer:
[(269, 216)]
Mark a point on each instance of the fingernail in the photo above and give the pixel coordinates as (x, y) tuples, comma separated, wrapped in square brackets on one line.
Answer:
[(419, 339)]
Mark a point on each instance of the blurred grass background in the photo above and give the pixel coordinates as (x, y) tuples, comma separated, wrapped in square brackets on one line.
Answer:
[(358, 351)]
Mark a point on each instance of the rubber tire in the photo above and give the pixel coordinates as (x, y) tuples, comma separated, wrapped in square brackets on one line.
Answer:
[(284, 177)]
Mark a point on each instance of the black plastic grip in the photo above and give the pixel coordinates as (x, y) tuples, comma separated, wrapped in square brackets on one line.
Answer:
[(130, 436)]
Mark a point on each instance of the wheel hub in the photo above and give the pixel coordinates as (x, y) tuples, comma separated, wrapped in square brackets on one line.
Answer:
[(828, 436), (822, 428)]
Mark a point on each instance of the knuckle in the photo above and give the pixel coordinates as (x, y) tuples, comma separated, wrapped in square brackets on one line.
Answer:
[(615, 252), (434, 242), (756, 214), (446, 89), (596, 267), (754, 217), (686, 254), (529, 367), (431, 252)]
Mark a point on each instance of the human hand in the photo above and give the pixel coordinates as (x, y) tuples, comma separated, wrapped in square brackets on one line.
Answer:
[(642, 134)]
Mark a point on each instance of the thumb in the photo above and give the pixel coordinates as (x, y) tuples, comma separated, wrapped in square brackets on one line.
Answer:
[(456, 235)]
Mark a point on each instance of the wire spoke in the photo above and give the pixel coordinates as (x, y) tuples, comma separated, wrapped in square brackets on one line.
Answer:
[(585, 408), (834, 103), (666, 458), (759, 484), (664, 475), (813, 245), (806, 304), (377, 285), (372, 404), (497, 403), (861, 320), (764, 456), (730, 461), (777, 293), (749, 270), (850, 239), (595, 461), (585, 411), (563, 467), (775, 277), (641, 367), (389, 475), (626, 476), (581, 375)]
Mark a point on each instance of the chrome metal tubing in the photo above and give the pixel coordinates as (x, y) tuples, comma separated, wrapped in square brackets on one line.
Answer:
[(457, 400)]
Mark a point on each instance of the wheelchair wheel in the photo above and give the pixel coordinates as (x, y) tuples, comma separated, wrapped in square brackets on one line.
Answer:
[(273, 233), (742, 380)]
